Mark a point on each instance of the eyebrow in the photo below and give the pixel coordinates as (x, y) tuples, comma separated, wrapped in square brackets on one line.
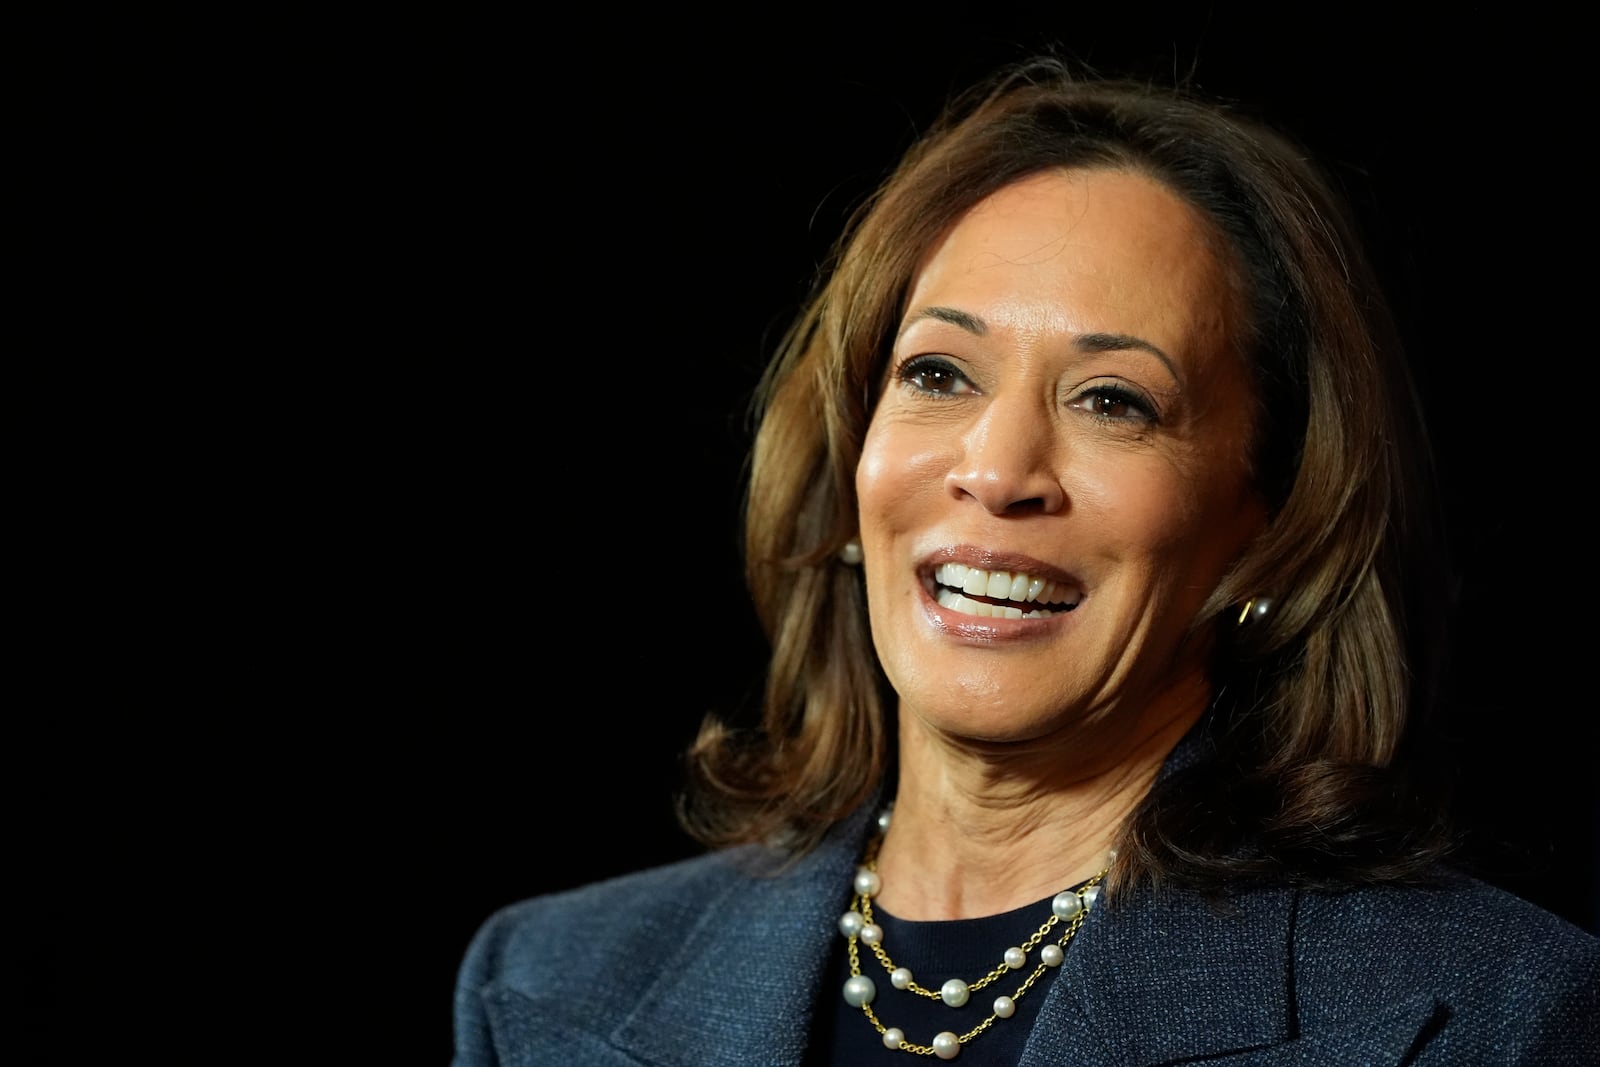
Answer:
[(1089, 342), (959, 319), (1121, 342)]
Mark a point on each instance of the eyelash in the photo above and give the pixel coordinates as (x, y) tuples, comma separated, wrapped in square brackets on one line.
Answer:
[(1115, 394), (921, 367), (915, 372)]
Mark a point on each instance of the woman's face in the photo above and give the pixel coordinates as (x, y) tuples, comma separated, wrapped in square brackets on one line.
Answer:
[(1056, 474)]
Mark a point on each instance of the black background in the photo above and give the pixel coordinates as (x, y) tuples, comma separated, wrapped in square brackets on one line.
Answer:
[(496, 292)]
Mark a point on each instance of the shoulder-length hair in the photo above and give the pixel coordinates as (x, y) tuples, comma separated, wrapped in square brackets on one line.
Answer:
[(1314, 698)]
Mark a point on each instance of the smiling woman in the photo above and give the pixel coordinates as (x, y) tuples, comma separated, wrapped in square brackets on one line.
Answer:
[(1088, 522), (1063, 405)]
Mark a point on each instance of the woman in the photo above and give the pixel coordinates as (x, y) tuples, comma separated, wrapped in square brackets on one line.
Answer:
[(1088, 522)]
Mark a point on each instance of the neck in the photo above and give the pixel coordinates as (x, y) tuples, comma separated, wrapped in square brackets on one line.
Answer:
[(980, 830)]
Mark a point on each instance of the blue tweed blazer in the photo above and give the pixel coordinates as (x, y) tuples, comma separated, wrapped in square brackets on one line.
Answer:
[(716, 961)]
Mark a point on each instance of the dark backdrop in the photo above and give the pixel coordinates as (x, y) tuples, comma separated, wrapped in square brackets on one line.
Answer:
[(516, 281)]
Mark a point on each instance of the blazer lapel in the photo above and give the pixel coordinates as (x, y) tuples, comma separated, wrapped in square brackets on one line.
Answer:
[(1163, 977), (1169, 978), (738, 988)]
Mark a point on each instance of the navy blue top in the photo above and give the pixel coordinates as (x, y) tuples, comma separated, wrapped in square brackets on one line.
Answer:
[(967, 949)]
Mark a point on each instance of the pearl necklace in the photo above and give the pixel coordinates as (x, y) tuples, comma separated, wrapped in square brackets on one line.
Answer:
[(857, 925)]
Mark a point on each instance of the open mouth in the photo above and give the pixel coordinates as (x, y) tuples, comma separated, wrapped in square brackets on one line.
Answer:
[(1001, 594)]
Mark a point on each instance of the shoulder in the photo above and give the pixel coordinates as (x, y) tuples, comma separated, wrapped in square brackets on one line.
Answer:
[(589, 927), (517, 996), (617, 971), (1456, 923), (1507, 973), (1454, 971)]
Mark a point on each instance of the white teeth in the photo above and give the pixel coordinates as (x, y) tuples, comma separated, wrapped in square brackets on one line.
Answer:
[(954, 601), (997, 585)]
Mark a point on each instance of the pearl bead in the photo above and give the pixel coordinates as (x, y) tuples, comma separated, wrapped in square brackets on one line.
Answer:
[(850, 923), (1016, 959), (871, 933), (954, 992), (901, 978), (1091, 895), (883, 818), (1004, 1007), (893, 1037), (859, 990), (868, 883), (946, 1045), (1051, 955), (1066, 904)]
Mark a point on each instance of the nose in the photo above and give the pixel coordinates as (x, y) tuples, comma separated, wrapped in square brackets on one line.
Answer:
[(1007, 462)]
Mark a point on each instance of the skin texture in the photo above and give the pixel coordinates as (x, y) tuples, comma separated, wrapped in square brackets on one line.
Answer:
[(1062, 399)]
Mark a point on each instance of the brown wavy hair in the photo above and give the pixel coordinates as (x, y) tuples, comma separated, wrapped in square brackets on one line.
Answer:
[(1316, 702)]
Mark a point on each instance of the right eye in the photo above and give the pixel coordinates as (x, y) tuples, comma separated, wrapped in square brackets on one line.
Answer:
[(930, 374)]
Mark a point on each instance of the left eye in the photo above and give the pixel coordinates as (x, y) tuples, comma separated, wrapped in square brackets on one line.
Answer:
[(1110, 403), (931, 375)]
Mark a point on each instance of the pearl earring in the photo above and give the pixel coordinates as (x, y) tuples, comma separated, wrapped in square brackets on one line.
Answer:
[(851, 552)]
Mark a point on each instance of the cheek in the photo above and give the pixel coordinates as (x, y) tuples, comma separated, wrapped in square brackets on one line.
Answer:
[(1201, 525), (897, 468), (873, 468), (1166, 511), (1136, 515)]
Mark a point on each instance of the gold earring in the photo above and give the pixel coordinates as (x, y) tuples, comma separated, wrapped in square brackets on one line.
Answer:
[(1255, 609)]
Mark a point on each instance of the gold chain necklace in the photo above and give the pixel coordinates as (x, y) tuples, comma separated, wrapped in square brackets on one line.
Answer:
[(1069, 907)]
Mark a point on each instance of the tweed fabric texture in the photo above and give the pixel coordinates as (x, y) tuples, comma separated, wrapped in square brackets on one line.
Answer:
[(709, 963)]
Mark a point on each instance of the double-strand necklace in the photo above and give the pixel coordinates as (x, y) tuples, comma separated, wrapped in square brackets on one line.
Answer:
[(1067, 910)]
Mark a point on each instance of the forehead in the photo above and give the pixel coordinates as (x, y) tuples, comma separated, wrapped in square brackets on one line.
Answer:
[(1087, 251)]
